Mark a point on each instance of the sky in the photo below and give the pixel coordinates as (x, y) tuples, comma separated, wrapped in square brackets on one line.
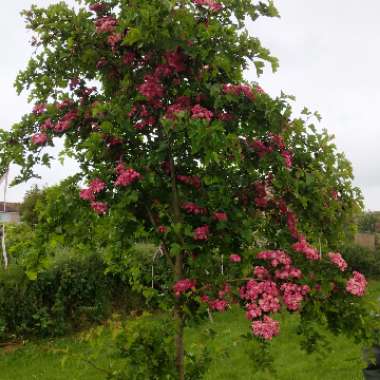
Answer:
[(329, 57)]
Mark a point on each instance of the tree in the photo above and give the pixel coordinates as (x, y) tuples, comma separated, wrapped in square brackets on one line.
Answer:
[(150, 98)]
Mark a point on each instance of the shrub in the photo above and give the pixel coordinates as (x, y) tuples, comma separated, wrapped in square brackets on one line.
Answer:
[(363, 260), (72, 293)]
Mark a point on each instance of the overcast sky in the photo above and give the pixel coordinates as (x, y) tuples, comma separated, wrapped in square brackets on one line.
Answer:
[(329, 59)]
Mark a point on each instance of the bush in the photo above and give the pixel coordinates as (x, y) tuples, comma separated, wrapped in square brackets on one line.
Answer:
[(363, 260), (72, 293)]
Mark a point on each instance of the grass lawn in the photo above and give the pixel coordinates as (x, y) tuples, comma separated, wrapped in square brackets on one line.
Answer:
[(42, 360)]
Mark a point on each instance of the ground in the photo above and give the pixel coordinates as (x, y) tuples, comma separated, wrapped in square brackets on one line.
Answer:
[(59, 359)]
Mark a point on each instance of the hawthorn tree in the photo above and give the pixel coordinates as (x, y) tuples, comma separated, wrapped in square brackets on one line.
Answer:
[(242, 199)]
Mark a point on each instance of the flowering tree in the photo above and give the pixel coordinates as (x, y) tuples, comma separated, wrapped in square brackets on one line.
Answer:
[(242, 199)]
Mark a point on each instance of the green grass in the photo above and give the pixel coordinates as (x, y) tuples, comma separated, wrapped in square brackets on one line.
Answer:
[(42, 360)]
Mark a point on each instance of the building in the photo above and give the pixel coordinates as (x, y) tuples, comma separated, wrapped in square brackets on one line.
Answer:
[(11, 214)]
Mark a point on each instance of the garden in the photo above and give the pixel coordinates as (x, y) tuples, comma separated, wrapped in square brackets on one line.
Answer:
[(210, 231)]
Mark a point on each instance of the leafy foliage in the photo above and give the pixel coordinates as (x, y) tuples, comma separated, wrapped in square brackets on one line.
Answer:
[(190, 157)]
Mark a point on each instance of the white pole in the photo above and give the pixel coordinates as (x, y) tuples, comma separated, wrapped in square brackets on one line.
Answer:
[(3, 246)]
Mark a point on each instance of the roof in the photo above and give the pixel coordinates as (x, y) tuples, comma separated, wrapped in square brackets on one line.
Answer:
[(10, 207)]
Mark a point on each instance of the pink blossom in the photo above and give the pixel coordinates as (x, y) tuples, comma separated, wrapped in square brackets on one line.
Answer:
[(201, 233), (260, 148), (102, 62), (46, 125), (275, 257), (66, 103), (129, 57), (65, 122), (97, 185), (337, 259), (293, 295), (357, 284), (304, 247), (288, 272), (234, 258), (237, 90), (211, 4), (39, 109), (39, 138), (193, 208), (267, 329), (219, 305), (87, 195), (269, 303), (194, 181), (126, 176), (292, 223), (199, 112), (114, 39), (220, 216), (182, 286), (253, 311), (99, 207), (162, 229), (278, 140), (106, 24), (288, 157), (151, 88), (225, 116), (163, 71), (260, 273), (175, 60), (98, 7), (181, 104), (261, 202)]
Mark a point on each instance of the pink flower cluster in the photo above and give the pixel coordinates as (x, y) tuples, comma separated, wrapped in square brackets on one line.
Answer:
[(220, 216), (288, 272), (253, 289), (218, 305), (199, 112), (193, 180), (96, 186), (266, 329), (239, 89), (261, 148), (39, 109), (292, 222), (193, 208), (99, 207), (288, 158), (234, 258), (261, 198), (304, 247), (201, 233), (182, 104), (175, 60), (337, 259), (275, 258), (106, 24), (98, 7), (114, 39), (261, 273), (152, 88), (65, 122), (293, 295), (39, 138), (211, 4), (183, 286), (126, 176), (357, 284)]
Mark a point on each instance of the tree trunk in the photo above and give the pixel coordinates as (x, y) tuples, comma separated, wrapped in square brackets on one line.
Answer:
[(180, 347), (178, 275), (180, 323)]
